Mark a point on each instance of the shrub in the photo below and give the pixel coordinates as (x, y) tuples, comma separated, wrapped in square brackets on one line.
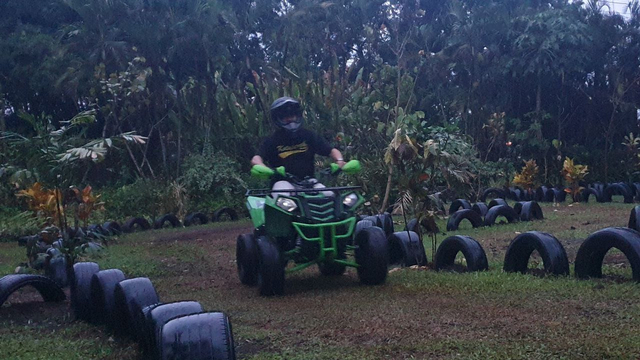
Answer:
[(213, 179), (573, 175), (17, 225), (527, 177), (145, 197)]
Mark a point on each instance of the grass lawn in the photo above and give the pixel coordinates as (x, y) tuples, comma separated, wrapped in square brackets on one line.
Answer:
[(416, 314)]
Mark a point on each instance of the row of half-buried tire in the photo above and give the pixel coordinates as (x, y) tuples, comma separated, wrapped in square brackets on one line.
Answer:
[(481, 214), (142, 224), (588, 262), (541, 194), (130, 308), (604, 193), (601, 193)]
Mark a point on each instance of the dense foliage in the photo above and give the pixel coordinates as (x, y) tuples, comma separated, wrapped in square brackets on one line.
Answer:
[(550, 78)]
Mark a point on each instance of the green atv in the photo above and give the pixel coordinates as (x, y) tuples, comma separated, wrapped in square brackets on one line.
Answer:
[(308, 227)]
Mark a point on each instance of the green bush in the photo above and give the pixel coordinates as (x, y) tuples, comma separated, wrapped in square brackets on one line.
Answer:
[(14, 225), (213, 180), (145, 197)]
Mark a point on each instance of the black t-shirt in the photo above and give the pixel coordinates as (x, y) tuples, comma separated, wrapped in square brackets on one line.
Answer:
[(296, 153)]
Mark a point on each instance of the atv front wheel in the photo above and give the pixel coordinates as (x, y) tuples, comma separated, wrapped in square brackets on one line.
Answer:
[(372, 255), (247, 259), (270, 268)]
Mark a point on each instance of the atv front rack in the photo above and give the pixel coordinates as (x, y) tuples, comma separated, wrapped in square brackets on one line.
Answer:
[(265, 192), (325, 231)]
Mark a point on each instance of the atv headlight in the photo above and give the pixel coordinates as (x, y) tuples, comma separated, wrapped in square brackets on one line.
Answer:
[(286, 204), (350, 200)]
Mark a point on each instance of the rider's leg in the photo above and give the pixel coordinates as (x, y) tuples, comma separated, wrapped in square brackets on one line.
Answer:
[(281, 188), (325, 193)]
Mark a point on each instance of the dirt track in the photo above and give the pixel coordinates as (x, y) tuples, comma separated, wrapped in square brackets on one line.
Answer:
[(416, 314)]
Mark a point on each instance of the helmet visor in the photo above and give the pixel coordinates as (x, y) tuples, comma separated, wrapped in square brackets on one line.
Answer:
[(287, 113)]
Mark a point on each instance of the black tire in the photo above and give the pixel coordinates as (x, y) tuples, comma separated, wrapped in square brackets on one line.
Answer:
[(547, 194), (375, 220), (198, 337), (515, 194), (170, 218), (406, 249), (496, 202), (157, 316), (414, 226), (247, 259), (592, 251), (586, 192), (56, 270), (195, 218), (541, 193), (365, 223), (130, 297), (112, 227), (531, 210), (47, 288), (498, 193), (103, 285), (270, 268), (599, 186), (637, 191), (457, 204), (454, 220), (500, 210), (471, 249), (136, 223), (634, 218), (554, 257), (81, 289), (372, 256), (617, 189), (148, 346), (633, 190), (97, 229), (220, 214), (517, 207), (481, 208), (559, 195), (386, 223)]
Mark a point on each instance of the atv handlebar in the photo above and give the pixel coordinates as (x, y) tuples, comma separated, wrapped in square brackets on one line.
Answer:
[(265, 172)]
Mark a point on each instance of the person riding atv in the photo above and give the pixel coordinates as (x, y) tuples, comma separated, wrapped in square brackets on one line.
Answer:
[(291, 145), (300, 220)]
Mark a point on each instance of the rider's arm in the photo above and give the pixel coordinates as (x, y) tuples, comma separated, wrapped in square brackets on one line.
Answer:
[(336, 155)]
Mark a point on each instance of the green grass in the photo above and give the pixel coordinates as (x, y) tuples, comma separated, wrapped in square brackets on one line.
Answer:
[(74, 341), (416, 314), (11, 256)]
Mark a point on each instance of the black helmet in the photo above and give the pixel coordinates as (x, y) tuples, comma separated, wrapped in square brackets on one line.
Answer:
[(285, 107)]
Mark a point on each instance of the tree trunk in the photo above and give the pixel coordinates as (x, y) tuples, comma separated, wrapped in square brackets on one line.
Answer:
[(607, 141), (385, 201), (144, 154), (163, 147), (3, 127), (133, 158), (539, 99), (178, 163)]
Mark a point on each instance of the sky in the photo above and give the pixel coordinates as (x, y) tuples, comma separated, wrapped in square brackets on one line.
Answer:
[(619, 6)]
